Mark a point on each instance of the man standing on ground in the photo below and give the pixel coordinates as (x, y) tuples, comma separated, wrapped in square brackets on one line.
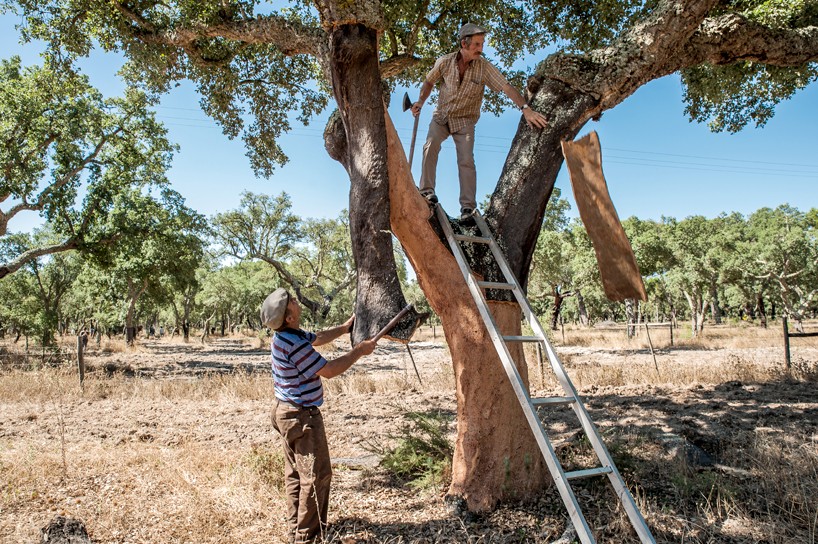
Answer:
[(465, 75), (297, 373)]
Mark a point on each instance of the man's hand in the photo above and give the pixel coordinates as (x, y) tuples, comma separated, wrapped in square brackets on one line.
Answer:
[(365, 347), (416, 108), (534, 118)]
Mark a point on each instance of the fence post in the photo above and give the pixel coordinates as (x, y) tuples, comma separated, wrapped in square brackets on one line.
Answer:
[(671, 331), (786, 343), (80, 359), (647, 333)]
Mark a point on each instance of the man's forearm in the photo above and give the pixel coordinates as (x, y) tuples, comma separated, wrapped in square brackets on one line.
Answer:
[(328, 335), (425, 91), (514, 95), (341, 364)]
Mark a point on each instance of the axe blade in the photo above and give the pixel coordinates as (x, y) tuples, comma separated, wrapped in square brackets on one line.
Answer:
[(407, 103)]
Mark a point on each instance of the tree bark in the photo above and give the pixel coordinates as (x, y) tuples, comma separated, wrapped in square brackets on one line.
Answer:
[(356, 83), (517, 205), (495, 455), (582, 309)]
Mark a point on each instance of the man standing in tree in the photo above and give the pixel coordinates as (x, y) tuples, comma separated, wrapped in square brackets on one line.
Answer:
[(297, 373), (465, 74)]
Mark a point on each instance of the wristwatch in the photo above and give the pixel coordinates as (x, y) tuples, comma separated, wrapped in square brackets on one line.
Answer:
[(524, 107)]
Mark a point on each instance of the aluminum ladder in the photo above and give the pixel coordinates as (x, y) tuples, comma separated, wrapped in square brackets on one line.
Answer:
[(561, 477)]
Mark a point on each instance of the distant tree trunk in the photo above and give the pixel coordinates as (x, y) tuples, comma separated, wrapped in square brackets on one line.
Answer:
[(715, 308), (762, 311), (206, 328), (697, 305), (555, 311), (582, 309), (631, 309), (134, 292)]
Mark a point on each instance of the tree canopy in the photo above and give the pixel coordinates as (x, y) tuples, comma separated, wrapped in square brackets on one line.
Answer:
[(68, 153), (255, 64)]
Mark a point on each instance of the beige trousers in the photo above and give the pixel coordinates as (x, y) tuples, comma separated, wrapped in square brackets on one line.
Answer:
[(307, 470), (464, 145)]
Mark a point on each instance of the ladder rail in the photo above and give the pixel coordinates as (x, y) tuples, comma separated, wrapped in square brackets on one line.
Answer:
[(608, 466), (549, 455), (637, 520)]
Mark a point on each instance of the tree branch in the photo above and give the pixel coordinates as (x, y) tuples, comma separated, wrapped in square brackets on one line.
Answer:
[(396, 64), (31, 254), (733, 38), (291, 38), (312, 306)]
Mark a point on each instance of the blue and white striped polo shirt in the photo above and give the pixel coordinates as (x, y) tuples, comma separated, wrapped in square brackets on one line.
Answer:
[(295, 363)]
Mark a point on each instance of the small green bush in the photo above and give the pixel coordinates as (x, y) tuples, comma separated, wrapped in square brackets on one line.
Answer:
[(423, 455)]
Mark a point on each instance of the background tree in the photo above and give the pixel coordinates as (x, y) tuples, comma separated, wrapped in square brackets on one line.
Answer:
[(262, 63), (313, 257), (784, 246), (552, 276), (59, 138), (168, 249), (35, 302)]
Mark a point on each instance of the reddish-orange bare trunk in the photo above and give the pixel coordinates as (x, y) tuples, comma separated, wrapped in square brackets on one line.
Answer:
[(495, 454)]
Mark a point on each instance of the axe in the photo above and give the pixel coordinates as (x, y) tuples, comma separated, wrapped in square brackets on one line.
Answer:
[(407, 105)]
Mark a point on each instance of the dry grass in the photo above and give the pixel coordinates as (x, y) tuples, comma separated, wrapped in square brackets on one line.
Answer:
[(186, 494), (159, 467)]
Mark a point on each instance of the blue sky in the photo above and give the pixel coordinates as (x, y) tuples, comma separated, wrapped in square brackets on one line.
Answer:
[(656, 162)]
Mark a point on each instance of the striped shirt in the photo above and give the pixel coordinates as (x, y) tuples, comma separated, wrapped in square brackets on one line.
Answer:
[(459, 102), (295, 363)]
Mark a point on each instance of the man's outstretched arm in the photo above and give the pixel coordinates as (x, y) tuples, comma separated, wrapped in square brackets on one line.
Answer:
[(328, 335), (341, 364), (534, 118)]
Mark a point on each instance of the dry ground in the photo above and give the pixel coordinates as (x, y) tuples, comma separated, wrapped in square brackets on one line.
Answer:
[(172, 443)]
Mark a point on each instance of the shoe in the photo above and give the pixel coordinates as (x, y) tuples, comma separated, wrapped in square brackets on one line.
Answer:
[(465, 213), (430, 197)]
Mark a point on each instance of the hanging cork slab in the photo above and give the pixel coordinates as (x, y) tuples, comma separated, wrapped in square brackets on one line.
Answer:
[(617, 264)]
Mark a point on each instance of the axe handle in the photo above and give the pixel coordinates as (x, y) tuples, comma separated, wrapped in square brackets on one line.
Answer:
[(412, 145)]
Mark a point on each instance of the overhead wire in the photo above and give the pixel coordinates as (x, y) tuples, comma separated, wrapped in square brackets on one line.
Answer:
[(613, 155)]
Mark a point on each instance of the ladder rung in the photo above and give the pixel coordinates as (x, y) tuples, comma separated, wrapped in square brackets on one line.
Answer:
[(542, 401), (522, 339), (587, 472), (495, 285), (473, 239)]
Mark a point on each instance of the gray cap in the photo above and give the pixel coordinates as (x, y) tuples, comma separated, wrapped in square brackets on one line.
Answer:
[(274, 308), (470, 29)]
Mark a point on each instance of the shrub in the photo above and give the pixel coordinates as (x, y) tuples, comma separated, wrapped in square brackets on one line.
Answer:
[(423, 455)]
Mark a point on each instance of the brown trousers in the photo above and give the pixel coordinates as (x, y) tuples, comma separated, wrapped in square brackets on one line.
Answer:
[(307, 470), (464, 146)]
